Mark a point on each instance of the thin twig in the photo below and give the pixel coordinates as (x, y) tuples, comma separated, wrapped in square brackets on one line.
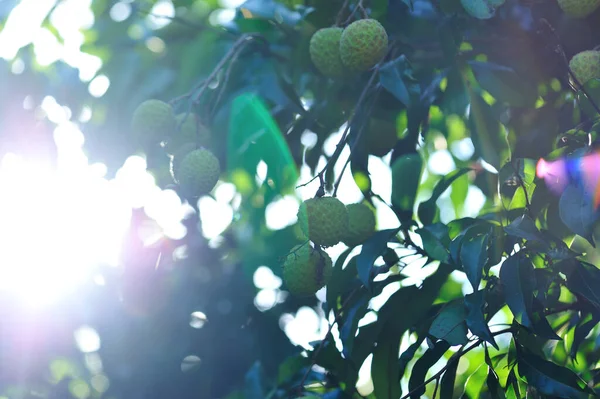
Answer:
[(455, 355), (353, 147), (343, 140), (437, 385), (338, 19)]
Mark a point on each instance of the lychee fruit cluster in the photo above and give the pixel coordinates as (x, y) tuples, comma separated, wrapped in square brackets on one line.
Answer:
[(193, 166), (360, 46), (586, 66), (325, 221)]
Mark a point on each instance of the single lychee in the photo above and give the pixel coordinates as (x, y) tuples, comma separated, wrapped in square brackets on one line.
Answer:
[(578, 8), (363, 44), (324, 220), (153, 121), (381, 136), (197, 173), (324, 51), (187, 130), (586, 65), (306, 270), (361, 224)]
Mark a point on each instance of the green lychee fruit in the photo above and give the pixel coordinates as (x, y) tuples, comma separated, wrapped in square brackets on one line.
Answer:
[(578, 8), (381, 136), (324, 51), (363, 44), (153, 121), (586, 65), (324, 220), (179, 155), (190, 131), (361, 224), (197, 173), (306, 270)]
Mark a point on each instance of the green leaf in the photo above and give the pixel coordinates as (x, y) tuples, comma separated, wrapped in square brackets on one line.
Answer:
[(385, 368), (481, 9), (448, 379), (422, 366), (576, 210), (488, 135), (341, 278), (391, 78), (583, 279), (373, 248), (449, 324), (434, 247), (493, 385), (504, 84), (516, 276), (255, 136), (427, 209), (474, 256), (406, 175), (524, 227), (549, 378), (475, 318), (349, 324), (583, 328)]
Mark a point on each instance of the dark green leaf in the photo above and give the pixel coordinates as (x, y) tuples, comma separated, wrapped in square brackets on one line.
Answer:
[(504, 84), (576, 209), (385, 369), (422, 366), (474, 256), (493, 385), (427, 209), (447, 383), (408, 355), (583, 279), (351, 316), (516, 276), (449, 324), (489, 137), (391, 78), (549, 378), (340, 279), (432, 245), (475, 318), (373, 248), (581, 331), (524, 227)]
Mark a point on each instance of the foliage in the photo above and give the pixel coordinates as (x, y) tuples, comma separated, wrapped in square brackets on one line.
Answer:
[(504, 300)]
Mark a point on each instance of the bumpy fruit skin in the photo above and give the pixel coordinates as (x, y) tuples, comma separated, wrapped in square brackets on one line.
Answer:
[(361, 224), (324, 220), (191, 131), (197, 173), (381, 137), (586, 65), (578, 8), (324, 51), (363, 44), (153, 121), (306, 270)]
